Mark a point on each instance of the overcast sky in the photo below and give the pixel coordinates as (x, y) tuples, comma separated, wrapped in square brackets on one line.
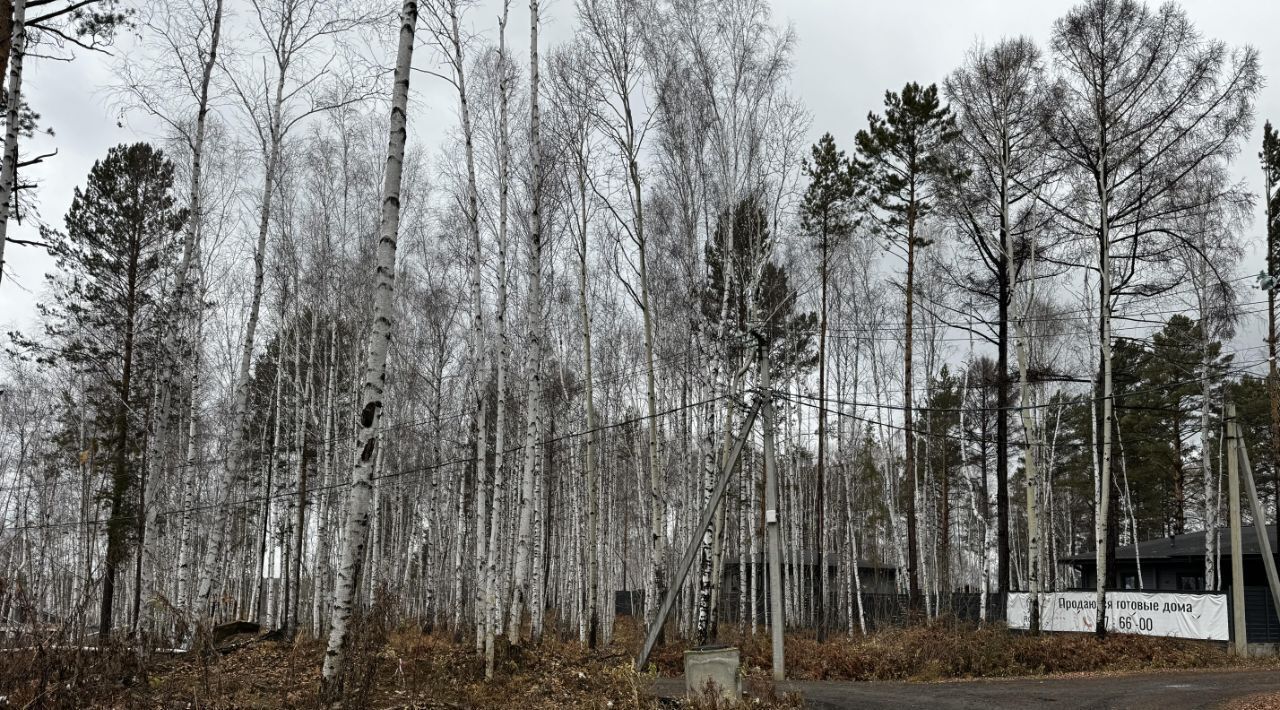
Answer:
[(847, 54)]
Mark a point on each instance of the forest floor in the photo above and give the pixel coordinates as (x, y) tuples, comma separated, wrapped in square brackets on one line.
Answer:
[(407, 668)]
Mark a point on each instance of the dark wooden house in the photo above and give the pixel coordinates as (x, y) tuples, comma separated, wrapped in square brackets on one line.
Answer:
[(876, 578), (1176, 564)]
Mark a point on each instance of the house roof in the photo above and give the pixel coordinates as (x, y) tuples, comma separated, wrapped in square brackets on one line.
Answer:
[(1185, 545), (811, 558)]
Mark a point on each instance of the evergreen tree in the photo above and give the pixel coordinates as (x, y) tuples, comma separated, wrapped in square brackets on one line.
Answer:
[(1252, 399), (1270, 157), (106, 315), (1171, 375), (945, 452), (1159, 399), (901, 158), (825, 214), (761, 298)]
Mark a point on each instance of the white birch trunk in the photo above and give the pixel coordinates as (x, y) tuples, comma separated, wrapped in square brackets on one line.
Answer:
[(266, 493), (323, 569), (492, 603), (533, 424), (305, 400), (477, 338), (1029, 453), (538, 581), (238, 457), (1104, 345), (357, 523), (1211, 502), (593, 504), (1030, 431), (190, 254), (459, 542), (191, 475), (13, 106)]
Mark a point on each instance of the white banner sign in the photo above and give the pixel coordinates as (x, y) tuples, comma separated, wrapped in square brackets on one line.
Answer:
[(1188, 616)]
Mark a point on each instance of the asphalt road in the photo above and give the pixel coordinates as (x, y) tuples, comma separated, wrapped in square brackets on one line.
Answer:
[(1168, 690)]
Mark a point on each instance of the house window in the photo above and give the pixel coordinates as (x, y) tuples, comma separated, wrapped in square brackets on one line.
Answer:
[(1190, 583), (1128, 580)]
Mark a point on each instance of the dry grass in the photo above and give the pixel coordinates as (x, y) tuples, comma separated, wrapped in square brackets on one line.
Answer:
[(946, 651), (411, 670), (406, 668), (1260, 701), (56, 677)]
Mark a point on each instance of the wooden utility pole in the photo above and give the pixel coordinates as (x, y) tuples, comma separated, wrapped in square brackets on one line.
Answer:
[(1233, 515), (771, 524)]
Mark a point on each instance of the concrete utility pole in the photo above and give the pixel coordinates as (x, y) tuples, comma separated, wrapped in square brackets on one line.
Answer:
[(1233, 515), (655, 629), (1259, 521), (764, 406), (771, 525)]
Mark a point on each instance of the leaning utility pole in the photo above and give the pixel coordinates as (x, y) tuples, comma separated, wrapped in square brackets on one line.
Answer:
[(764, 406), (695, 542)]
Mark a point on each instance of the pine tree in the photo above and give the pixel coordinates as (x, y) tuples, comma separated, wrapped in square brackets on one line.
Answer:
[(119, 241), (825, 214), (944, 455), (1179, 361), (1270, 157), (760, 297), (900, 160)]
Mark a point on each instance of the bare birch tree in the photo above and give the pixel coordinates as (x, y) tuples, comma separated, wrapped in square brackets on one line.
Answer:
[(355, 531), (522, 590), (612, 31)]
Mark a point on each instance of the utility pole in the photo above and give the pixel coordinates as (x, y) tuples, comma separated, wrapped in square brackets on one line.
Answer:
[(704, 521), (1259, 521), (1233, 515), (771, 523)]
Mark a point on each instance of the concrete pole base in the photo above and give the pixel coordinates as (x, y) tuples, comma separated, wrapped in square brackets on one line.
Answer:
[(713, 666)]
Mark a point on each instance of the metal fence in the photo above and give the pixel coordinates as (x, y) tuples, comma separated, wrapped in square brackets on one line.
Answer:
[(898, 610), (1261, 625)]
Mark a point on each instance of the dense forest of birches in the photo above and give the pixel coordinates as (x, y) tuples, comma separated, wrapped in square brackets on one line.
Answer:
[(284, 365)]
